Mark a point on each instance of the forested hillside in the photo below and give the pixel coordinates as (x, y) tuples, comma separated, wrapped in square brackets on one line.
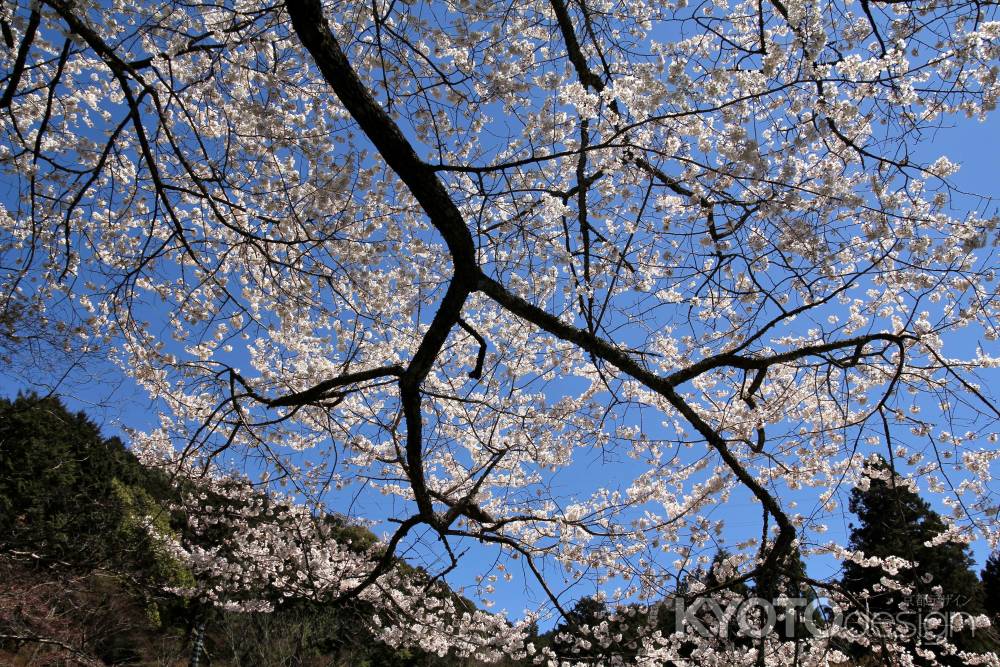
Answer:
[(83, 582)]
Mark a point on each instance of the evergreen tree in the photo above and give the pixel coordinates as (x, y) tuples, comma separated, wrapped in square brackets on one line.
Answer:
[(895, 521), (787, 580), (579, 621), (990, 578), (77, 502)]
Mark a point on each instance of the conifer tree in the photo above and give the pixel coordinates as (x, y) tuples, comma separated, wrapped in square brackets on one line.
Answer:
[(893, 521), (990, 581)]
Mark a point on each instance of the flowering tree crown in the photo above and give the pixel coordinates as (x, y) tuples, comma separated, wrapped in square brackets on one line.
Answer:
[(440, 257)]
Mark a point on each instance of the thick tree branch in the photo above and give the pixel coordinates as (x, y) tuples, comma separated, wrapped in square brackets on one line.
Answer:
[(20, 60), (312, 28), (587, 76), (319, 391), (476, 372), (662, 386)]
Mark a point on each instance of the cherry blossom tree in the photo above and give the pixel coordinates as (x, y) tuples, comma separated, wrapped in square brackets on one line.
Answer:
[(423, 263)]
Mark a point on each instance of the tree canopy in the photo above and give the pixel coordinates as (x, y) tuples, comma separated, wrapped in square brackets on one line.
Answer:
[(429, 264)]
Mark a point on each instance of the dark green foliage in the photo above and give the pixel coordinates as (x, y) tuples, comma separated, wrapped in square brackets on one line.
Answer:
[(592, 633), (895, 521), (990, 578), (304, 633), (66, 492), (618, 640), (573, 638), (786, 579)]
